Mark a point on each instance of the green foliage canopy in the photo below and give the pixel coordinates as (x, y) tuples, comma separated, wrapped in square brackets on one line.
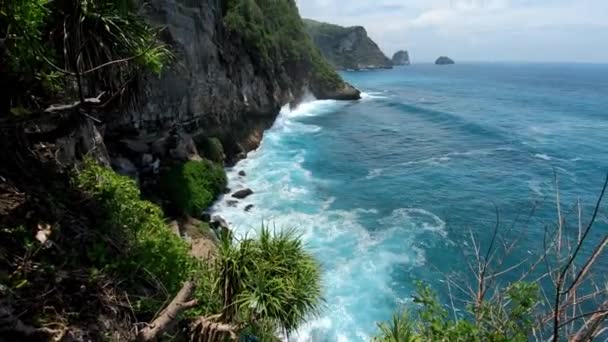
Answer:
[(275, 29)]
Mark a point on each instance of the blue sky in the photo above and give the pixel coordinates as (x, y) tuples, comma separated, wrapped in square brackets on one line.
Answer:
[(477, 30)]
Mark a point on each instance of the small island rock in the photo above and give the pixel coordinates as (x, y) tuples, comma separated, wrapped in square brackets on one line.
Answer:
[(443, 60), (401, 57)]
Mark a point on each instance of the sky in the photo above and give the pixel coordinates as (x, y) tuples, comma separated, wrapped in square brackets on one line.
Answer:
[(476, 30)]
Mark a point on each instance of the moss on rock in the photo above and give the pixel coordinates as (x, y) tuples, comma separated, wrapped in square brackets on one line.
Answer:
[(192, 187), (212, 149)]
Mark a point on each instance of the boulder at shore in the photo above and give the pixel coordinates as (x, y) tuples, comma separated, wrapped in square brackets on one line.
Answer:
[(443, 60), (401, 57), (242, 193)]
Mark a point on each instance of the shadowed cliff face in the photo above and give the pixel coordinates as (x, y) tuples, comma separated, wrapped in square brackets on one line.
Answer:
[(347, 47), (216, 86)]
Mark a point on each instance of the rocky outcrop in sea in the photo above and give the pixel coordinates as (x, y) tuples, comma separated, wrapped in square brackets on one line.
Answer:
[(401, 57), (443, 60)]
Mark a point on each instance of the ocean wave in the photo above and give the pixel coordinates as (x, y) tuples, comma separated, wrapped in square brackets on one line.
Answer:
[(536, 187), (372, 95), (543, 156), (374, 174), (449, 156), (358, 262), (415, 219), (309, 108)]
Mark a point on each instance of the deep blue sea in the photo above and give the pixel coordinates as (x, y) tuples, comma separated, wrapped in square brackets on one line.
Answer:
[(385, 190)]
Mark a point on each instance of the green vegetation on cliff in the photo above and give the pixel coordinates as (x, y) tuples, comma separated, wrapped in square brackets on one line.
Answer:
[(258, 285), (74, 48), (193, 186), (147, 246), (275, 30)]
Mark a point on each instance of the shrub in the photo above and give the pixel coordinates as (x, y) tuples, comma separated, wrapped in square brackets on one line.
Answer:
[(192, 187), (271, 277), (508, 316), (147, 246)]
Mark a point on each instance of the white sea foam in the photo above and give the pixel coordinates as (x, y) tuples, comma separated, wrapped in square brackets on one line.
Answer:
[(374, 173), (415, 218), (535, 186), (542, 156), (358, 263), (372, 95)]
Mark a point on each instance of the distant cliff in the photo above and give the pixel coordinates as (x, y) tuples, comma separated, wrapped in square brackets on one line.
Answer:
[(346, 47), (443, 60), (401, 57)]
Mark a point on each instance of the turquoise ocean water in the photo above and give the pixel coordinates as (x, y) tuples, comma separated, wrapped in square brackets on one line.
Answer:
[(385, 190)]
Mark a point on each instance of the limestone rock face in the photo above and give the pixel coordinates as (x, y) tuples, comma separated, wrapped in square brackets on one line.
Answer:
[(443, 60), (347, 47), (401, 57), (216, 85)]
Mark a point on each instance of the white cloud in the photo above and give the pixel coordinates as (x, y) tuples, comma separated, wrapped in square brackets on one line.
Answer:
[(477, 29)]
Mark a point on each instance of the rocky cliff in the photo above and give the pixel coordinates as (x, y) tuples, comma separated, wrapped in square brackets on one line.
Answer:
[(235, 64), (401, 57), (347, 47), (219, 84)]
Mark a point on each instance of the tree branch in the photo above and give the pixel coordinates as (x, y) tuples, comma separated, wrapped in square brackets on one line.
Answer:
[(168, 316)]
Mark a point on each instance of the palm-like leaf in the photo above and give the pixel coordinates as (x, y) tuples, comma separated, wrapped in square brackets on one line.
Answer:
[(400, 329), (269, 279)]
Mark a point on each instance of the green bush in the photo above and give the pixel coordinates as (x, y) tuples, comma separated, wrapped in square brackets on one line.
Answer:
[(271, 277), (212, 149), (147, 246), (508, 316), (192, 187)]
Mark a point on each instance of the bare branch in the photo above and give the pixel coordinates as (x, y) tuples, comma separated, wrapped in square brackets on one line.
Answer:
[(168, 316), (589, 226), (591, 328), (583, 272)]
